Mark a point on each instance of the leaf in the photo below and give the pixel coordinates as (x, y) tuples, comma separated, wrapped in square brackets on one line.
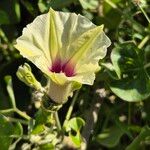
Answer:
[(109, 14), (18, 130), (4, 19), (108, 8), (76, 139), (42, 6), (49, 146), (137, 142), (89, 4), (17, 10), (41, 118), (10, 91), (13, 9), (110, 137), (74, 126), (38, 129), (57, 4), (133, 83), (6, 130), (28, 5), (75, 123), (124, 127)]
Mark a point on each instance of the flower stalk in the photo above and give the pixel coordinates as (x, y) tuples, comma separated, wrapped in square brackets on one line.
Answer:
[(57, 121), (69, 112)]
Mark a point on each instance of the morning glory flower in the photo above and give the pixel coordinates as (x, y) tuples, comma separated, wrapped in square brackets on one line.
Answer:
[(66, 47)]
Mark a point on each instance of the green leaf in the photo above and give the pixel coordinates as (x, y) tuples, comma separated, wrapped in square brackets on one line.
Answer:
[(6, 130), (76, 139), (29, 6), (18, 130), (76, 124), (110, 137), (108, 8), (139, 140), (4, 19), (89, 4), (133, 83), (38, 129), (107, 19), (42, 6), (124, 127), (41, 118), (17, 10), (13, 9), (109, 14), (10, 91), (49, 146), (57, 4)]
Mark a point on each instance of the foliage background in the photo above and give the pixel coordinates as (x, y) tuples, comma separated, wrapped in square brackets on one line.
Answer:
[(119, 123)]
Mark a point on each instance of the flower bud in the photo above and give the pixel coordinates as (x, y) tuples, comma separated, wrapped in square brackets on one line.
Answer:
[(25, 75)]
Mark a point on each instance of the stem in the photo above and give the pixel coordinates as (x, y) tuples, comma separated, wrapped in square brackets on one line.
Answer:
[(129, 113), (57, 121), (22, 114), (13, 146), (71, 107), (2, 34), (6, 111), (143, 42), (143, 11), (106, 122), (24, 137), (147, 66), (17, 120)]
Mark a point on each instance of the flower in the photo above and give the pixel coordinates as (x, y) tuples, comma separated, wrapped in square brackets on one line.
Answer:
[(66, 47)]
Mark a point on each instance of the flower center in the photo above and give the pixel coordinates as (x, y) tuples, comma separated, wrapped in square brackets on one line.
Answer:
[(67, 68)]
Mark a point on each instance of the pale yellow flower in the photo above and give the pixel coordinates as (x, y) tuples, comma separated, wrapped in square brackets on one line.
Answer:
[(66, 47)]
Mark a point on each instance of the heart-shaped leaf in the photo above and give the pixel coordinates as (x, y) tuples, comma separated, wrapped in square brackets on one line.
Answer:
[(134, 82)]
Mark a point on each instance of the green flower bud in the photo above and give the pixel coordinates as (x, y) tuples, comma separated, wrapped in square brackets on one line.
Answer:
[(25, 75)]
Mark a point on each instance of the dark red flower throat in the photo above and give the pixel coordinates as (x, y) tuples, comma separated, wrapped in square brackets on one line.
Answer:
[(67, 68)]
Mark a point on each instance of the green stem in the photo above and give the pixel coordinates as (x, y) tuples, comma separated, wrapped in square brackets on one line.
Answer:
[(11, 110), (24, 137), (6, 111), (22, 114), (143, 11), (2, 34), (57, 121), (106, 122), (17, 120), (147, 66), (144, 41), (129, 113), (71, 107)]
